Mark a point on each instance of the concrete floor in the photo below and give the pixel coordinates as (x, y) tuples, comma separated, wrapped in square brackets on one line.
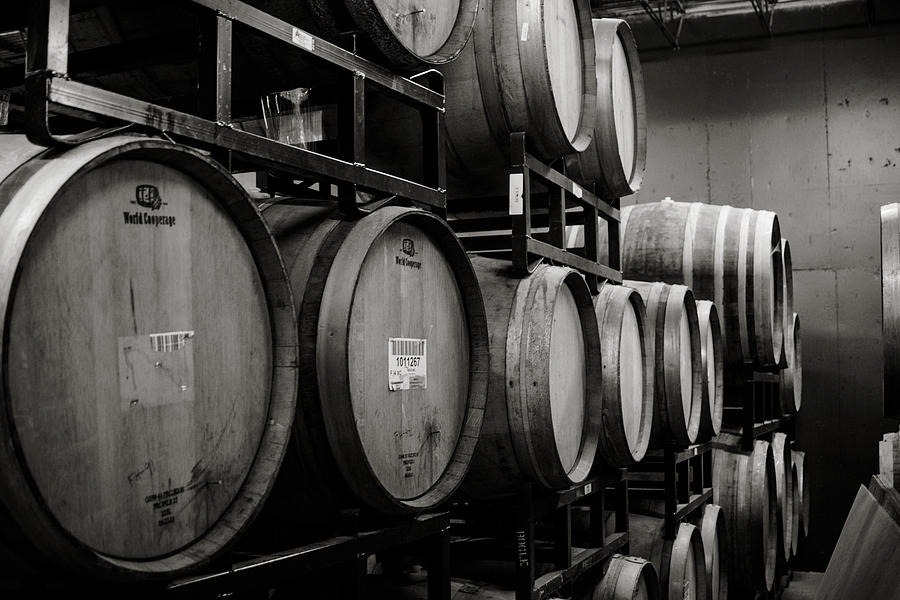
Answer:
[(803, 586)]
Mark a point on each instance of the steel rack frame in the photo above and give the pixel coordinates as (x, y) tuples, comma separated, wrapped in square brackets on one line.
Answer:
[(752, 406), (512, 228), (50, 91), (683, 479), (532, 516), (347, 551)]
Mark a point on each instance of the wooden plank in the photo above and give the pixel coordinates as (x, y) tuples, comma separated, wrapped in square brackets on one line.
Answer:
[(864, 561)]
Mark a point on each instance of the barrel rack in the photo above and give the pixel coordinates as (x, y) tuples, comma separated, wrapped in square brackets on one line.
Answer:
[(506, 226), (50, 91), (52, 96), (683, 479), (535, 526), (752, 406), (753, 410)]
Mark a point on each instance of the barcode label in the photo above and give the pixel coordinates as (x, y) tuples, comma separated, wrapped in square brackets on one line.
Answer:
[(156, 369), (406, 364), (169, 342)]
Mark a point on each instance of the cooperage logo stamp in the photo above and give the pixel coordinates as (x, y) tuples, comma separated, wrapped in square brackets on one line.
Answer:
[(148, 196), (408, 247)]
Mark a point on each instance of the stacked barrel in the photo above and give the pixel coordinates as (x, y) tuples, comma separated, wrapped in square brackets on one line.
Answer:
[(188, 369), (736, 260)]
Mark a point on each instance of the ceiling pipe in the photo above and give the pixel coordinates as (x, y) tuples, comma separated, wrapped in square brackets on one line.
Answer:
[(724, 21)]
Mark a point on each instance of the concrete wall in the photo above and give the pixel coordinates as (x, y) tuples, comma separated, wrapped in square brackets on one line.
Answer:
[(809, 127)]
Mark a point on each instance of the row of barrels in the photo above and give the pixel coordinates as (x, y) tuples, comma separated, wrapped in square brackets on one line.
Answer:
[(764, 494), (733, 257), (571, 83), (185, 367)]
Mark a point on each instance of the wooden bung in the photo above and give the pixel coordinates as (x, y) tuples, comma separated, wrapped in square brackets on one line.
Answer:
[(393, 340), (628, 578), (613, 163), (150, 358), (543, 415), (627, 375), (528, 67), (675, 342), (712, 351), (744, 486), (711, 523), (680, 563)]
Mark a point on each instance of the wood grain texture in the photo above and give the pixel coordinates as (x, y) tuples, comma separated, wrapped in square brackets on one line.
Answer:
[(727, 255), (415, 34), (797, 506), (799, 459), (744, 486), (628, 578), (711, 523), (890, 306), (396, 274), (543, 414), (535, 68), (680, 563), (150, 428), (863, 563), (675, 341), (712, 353), (628, 371), (784, 486), (614, 161), (791, 383)]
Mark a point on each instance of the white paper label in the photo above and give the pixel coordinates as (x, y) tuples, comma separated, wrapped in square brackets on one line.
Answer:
[(588, 487), (525, 31), (576, 189), (407, 364), (303, 39), (516, 203), (156, 369)]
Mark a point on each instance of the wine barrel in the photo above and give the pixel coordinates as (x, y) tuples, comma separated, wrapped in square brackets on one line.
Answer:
[(528, 67), (797, 505), (143, 431), (799, 459), (784, 484), (394, 338), (674, 338), (713, 368), (628, 578), (791, 381), (543, 413), (627, 375), (890, 307), (728, 255), (711, 523), (680, 563), (409, 36), (787, 298), (614, 160), (744, 486)]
